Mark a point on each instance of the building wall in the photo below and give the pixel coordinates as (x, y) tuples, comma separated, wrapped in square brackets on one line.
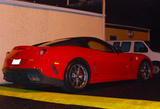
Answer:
[(119, 32), (24, 23)]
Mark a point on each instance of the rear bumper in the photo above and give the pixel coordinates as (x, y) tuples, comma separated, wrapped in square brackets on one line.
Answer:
[(26, 76)]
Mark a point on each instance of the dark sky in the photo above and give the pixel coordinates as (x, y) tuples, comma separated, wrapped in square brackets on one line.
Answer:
[(142, 13), (130, 12)]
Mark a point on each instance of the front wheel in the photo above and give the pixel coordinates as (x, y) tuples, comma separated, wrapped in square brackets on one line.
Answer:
[(76, 76), (144, 71), (156, 69)]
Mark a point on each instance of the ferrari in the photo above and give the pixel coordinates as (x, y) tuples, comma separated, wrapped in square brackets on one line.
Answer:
[(74, 63)]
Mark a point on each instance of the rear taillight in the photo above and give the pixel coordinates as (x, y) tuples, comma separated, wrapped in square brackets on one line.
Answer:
[(42, 52)]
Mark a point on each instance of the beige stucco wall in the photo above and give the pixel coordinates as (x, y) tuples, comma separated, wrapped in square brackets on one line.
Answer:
[(29, 24)]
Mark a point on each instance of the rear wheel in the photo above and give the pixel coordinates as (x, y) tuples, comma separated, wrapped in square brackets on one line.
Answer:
[(76, 76), (144, 71)]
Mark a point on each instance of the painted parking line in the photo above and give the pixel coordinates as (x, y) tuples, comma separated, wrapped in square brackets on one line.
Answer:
[(80, 100)]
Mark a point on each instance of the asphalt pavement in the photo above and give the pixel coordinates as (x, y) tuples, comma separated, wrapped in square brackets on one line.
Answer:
[(130, 93)]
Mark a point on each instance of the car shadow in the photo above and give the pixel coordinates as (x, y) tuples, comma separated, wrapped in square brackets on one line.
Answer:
[(133, 89)]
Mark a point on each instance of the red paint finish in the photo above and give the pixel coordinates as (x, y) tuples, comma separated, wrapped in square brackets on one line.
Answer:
[(103, 66)]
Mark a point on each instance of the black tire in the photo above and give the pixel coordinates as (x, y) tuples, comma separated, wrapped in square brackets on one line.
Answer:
[(77, 76), (156, 69), (144, 70)]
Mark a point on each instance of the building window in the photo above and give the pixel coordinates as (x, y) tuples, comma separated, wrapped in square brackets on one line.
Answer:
[(86, 5)]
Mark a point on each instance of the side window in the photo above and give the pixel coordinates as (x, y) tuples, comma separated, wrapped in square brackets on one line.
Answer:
[(125, 47), (98, 46), (140, 47), (116, 44)]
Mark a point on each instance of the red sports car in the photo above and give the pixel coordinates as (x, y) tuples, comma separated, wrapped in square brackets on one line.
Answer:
[(73, 63)]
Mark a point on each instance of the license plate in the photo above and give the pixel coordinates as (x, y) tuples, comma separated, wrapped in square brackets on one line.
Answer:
[(16, 61)]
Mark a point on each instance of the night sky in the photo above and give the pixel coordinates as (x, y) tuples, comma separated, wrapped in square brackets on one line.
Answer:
[(141, 13)]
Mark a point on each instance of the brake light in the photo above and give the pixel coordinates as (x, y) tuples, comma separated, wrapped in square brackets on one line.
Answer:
[(42, 52)]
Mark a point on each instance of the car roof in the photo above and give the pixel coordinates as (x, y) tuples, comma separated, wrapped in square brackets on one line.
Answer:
[(86, 38), (83, 37), (78, 41)]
